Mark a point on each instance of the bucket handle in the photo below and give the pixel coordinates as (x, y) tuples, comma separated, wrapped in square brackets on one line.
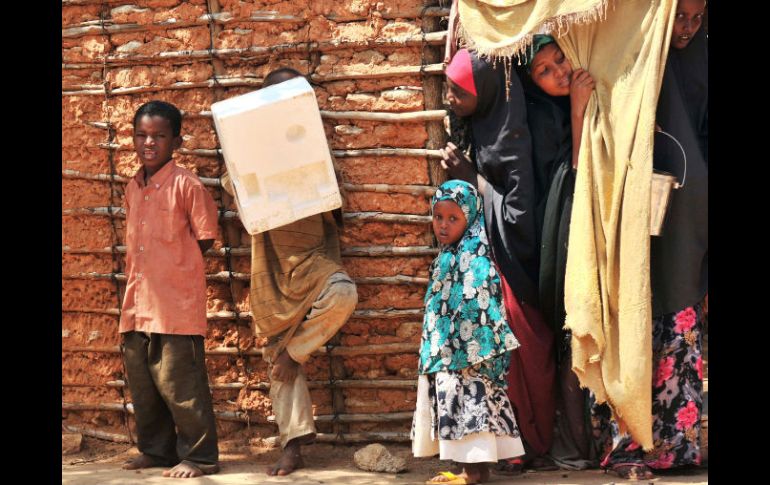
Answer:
[(684, 155)]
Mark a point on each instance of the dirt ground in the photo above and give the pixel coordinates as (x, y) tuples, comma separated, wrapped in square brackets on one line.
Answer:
[(99, 464)]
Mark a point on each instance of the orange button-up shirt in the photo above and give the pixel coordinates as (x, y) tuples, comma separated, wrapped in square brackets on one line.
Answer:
[(165, 218)]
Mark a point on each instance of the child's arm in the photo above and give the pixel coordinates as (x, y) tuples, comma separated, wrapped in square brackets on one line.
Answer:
[(202, 214)]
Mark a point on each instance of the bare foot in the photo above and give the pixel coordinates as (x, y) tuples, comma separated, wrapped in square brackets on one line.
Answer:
[(144, 461), (484, 472), (284, 368), (188, 469), (291, 458)]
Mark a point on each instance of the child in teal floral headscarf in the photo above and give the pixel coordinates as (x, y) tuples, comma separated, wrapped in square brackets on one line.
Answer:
[(463, 412)]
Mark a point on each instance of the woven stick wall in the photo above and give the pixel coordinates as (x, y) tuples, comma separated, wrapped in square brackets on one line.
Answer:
[(376, 68)]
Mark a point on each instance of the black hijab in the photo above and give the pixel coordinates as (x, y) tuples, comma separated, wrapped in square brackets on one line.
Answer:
[(502, 152), (679, 257)]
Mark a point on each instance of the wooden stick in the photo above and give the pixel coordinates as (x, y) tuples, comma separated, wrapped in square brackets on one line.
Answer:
[(264, 386), (424, 190), (362, 152), (349, 438), (96, 27), (428, 12), (95, 433), (89, 2), (399, 117), (348, 73), (225, 315), (433, 97), (372, 251), (95, 276), (201, 152), (382, 217), (79, 406), (406, 117), (121, 59), (103, 177), (389, 313), (372, 436), (102, 125), (373, 349), (389, 152), (361, 418), (210, 83), (119, 212), (395, 117), (225, 276), (376, 251), (83, 90), (221, 315), (376, 349), (250, 415), (391, 280)]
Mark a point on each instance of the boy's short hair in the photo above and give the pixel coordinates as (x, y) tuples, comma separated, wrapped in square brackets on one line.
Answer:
[(164, 110), (280, 75)]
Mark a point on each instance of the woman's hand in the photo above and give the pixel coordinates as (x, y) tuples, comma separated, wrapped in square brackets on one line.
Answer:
[(580, 88), (454, 161)]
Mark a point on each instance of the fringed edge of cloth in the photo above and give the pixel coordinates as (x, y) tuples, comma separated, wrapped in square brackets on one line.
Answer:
[(587, 375), (556, 25)]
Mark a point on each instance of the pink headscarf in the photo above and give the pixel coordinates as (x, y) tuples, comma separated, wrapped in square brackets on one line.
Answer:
[(460, 71)]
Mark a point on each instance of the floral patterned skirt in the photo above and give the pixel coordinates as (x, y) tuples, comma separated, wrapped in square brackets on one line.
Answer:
[(469, 407), (677, 397)]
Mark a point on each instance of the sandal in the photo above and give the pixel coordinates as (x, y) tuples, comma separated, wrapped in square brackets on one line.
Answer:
[(512, 466), (632, 471), (542, 464), (453, 480)]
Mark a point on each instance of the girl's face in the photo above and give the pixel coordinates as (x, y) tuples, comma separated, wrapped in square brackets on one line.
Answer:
[(448, 222), (551, 71), (460, 101), (689, 17)]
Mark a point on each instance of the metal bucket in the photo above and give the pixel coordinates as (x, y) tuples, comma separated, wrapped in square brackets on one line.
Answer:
[(660, 192)]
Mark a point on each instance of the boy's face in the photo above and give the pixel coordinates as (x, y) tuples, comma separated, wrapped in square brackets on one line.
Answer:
[(551, 70), (460, 101), (689, 17), (448, 222), (154, 142)]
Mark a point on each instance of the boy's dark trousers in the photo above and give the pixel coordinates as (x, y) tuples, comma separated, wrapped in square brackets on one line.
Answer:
[(169, 387)]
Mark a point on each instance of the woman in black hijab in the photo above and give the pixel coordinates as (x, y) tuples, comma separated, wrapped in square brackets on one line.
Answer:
[(557, 97), (678, 259)]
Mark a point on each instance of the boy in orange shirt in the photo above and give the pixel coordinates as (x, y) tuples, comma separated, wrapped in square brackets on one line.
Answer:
[(171, 220)]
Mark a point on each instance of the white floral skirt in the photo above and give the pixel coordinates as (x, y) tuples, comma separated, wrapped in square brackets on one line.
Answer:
[(464, 416)]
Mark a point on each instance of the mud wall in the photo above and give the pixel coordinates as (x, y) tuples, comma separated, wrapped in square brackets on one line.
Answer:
[(364, 58)]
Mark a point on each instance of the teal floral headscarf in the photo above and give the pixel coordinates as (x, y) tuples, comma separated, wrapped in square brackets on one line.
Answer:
[(465, 320), (538, 42)]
